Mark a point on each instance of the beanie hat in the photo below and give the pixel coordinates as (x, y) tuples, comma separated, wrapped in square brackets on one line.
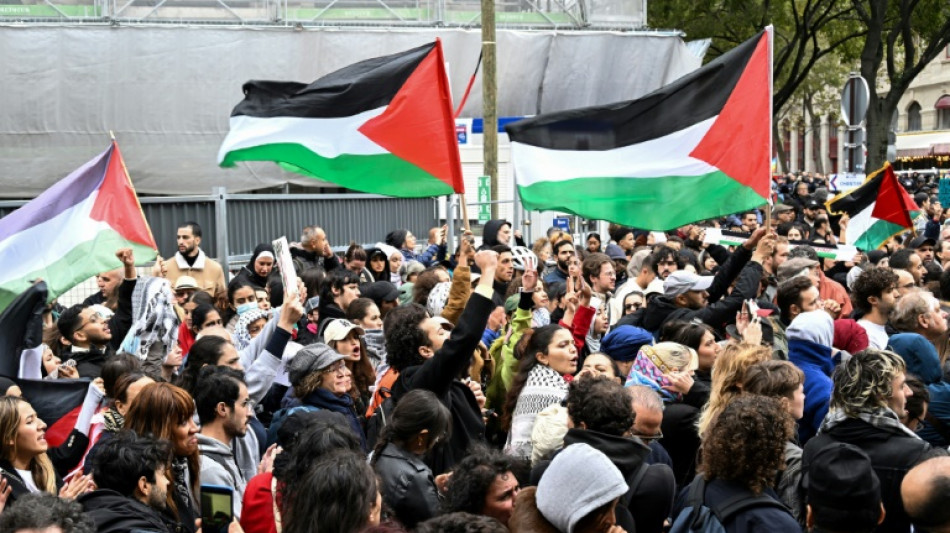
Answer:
[(548, 433), (310, 359), (918, 354), (850, 336), (840, 476), (438, 297), (396, 237), (623, 342), (579, 481)]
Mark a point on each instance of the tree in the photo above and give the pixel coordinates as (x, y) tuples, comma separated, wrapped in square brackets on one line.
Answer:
[(805, 31), (904, 36)]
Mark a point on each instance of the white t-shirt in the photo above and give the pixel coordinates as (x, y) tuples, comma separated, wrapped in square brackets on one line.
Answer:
[(27, 478), (877, 336)]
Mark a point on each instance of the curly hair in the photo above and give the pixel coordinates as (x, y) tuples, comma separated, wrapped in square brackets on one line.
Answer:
[(39, 511), (404, 336), (865, 382), (600, 404), (727, 375), (461, 523), (872, 282), (472, 477), (746, 445)]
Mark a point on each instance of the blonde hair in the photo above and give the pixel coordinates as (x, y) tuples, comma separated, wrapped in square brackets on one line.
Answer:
[(44, 476), (727, 375)]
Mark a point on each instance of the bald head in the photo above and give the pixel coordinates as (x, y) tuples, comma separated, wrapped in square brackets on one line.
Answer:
[(926, 491)]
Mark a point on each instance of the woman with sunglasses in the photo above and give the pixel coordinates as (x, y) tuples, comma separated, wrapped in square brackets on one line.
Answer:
[(419, 422), (320, 379)]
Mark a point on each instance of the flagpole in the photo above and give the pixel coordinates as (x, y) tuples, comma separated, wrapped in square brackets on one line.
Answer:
[(464, 212), (770, 31)]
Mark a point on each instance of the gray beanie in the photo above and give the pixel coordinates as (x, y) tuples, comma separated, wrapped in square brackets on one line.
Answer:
[(579, 481), (310, 359)]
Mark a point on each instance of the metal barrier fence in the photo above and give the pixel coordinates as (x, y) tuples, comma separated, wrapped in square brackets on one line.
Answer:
[(627, 14), (233, 224)]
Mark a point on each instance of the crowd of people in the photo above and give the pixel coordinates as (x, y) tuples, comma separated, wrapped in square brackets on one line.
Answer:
[(626, 382)]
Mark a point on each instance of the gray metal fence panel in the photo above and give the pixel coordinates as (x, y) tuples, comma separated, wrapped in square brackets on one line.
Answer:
[(345, 218), (253, 219)]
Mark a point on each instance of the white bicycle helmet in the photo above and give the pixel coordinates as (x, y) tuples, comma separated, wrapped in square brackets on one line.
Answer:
[(520, 255)]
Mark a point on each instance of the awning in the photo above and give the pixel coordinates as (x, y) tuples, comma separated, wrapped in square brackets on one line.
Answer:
[(916, 144), (943, 102), (941, 149)]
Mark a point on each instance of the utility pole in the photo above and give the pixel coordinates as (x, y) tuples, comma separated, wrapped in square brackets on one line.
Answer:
[(489, 93)]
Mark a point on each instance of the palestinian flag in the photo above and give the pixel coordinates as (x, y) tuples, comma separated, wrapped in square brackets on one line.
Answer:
[(57, 402), (72, 231), (698, 148), (21, 328), (383, 126), (879, 209)]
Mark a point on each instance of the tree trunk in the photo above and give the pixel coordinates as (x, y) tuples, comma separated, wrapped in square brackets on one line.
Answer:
[(878, 122), (779, 143)]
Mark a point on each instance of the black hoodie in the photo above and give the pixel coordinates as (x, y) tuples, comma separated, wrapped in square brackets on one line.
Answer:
[(650, 498), (115, 513), (490, 235)]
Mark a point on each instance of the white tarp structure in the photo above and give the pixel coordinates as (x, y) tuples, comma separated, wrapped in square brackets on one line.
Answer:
[(167, 91)]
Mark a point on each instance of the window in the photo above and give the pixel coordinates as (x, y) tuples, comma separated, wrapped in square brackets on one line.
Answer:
[(943, 112), (913, 117)]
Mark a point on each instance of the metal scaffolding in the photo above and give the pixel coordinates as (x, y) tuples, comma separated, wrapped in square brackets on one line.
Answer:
[(560, 14)]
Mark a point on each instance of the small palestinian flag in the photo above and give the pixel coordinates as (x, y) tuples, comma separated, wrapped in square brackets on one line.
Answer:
[(383, 126), (879, 208), (72, 231), (57, 402), (698, 148)]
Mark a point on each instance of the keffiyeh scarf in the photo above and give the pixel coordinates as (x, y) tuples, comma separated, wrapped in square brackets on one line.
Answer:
[(153, 317)]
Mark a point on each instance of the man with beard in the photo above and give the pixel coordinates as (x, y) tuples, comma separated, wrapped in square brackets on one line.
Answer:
[(874, 294), (224, 407), (192, 261), (503, 275), (132, 485), (92, 337), (564, 253), (665, 261)]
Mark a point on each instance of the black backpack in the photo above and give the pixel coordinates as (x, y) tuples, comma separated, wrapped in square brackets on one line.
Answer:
[(381, 417), (697, 517)]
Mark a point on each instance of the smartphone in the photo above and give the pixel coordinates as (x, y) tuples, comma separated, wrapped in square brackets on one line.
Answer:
[(217, 511)]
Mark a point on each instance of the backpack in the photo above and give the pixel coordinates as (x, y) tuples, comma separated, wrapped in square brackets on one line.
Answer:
[(697, 517), (381, 417), (282, 415)]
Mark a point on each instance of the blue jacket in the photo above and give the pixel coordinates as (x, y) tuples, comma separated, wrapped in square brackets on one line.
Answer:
[(922, 360), (431, 255), (815, 361)]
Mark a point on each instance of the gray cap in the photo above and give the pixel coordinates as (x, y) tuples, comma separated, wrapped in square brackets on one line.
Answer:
[(683, 281), (782, 208), (793, 267), (311, 358)]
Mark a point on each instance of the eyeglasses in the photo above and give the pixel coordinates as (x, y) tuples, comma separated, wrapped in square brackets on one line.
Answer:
[(248, 403), (339, 367), (632, 307), (94, 318)]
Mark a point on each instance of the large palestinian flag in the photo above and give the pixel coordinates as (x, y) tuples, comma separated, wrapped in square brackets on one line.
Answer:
[(695, 149), (878, 209), (382, 126), (72, 231)]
